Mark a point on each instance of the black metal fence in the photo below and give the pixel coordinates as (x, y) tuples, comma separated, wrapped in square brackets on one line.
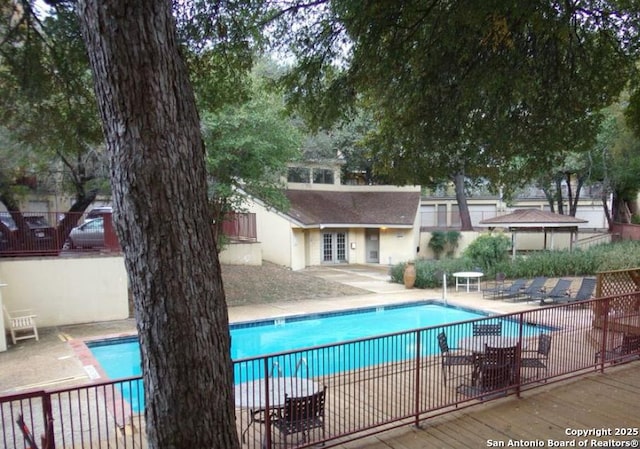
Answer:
[(359, 387)]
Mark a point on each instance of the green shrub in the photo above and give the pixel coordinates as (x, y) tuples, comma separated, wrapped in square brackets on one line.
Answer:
[(488, 250), (438, 243), (444, 242), (492, 258), (453, 238)]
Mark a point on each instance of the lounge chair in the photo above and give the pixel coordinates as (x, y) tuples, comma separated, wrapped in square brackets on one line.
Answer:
[(482, 329), (534, 288), (512, 290), (451, 357), (584, 293), (299, 415), (22, 324), (494, 288), (537, 359), (559, 291)]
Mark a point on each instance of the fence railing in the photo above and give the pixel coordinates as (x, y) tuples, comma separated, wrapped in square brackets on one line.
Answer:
[(240, 226), (53, 234), (369, 384)]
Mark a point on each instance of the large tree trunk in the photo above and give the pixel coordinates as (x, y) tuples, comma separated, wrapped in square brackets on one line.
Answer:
[(463, 206), (164, 225)]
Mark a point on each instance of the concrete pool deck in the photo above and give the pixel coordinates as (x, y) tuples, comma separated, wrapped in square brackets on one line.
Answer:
[(52, 362)]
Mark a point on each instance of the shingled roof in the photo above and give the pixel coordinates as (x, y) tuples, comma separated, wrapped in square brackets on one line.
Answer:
[(535, 218), (315, 208)]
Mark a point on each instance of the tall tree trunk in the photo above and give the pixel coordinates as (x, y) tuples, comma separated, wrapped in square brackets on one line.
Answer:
[(558, 192), (463, 206), (607, 213), (158, 179)]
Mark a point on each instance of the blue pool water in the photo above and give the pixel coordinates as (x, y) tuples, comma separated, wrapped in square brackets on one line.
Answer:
[(121, 357)]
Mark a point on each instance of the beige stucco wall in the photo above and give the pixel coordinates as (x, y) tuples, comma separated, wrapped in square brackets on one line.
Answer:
[(298, 249), (242, 253), (275, 236), (397, 245), (67, 290)]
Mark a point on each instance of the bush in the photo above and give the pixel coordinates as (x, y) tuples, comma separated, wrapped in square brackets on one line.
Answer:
[(492, 258), (488, 250), (437, 243)]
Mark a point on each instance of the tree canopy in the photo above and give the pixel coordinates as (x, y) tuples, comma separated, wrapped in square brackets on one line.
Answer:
[(248, 148), (463, 89)]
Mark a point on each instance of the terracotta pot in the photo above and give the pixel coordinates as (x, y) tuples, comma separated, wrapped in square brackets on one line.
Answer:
[(409, 276)]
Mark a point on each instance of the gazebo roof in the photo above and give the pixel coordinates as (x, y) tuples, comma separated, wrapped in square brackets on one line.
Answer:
[(533, 219)]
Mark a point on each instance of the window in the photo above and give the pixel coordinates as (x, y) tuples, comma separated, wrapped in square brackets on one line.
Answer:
[(322, 176), (298, 174)]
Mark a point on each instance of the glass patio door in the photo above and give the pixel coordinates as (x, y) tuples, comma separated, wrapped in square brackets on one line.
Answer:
[(334, 247)]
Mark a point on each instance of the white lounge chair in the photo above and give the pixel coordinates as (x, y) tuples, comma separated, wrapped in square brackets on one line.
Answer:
[(22, 324)]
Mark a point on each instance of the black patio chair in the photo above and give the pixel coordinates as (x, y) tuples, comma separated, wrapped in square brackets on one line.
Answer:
[(494, 288), (496, 372), (629, 348), (537, 359), (533, 288), (300, 415), (559, 291), (513, 290), (585, 292), (481, 329), (452, 356)]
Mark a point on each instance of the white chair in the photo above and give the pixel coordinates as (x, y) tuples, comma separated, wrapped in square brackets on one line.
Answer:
[(22, 324)]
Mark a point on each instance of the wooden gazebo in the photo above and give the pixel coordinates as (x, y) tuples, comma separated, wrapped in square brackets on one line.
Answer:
[(535, 220)]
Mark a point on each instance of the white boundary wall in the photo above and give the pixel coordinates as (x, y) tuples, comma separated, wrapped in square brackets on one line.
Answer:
[(67, 290)]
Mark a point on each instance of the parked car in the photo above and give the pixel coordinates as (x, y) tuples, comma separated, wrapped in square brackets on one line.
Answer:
[(43, 233), (90, 234), (98, 211)]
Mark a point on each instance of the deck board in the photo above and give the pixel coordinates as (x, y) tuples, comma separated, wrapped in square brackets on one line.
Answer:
[(596, 400)]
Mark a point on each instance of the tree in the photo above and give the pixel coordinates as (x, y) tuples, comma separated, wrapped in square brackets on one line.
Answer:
[(248, 147), (460, 89), (616, 157), (159, 182), (48, 106)]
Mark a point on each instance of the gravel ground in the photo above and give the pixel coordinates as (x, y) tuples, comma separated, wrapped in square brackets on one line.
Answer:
[(272, 283)]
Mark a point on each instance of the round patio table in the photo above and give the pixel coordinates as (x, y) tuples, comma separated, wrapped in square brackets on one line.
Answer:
[(468, 275), (253, 394)]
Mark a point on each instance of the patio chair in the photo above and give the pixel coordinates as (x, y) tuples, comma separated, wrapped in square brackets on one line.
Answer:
[(481, 329), (22, 324), (299, 415), (584, 293), (629, 348), (513, 290), (559, 291), (494, 288), (540, 356), (451, 356), (534, 288), (496, 372)]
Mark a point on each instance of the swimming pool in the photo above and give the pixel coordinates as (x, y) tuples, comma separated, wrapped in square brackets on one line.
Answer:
[(121, 357)]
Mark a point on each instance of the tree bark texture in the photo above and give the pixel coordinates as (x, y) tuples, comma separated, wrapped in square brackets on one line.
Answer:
[(463, 206), (165, 228)]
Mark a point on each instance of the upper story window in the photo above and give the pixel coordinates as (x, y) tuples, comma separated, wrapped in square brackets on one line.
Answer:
[(298, 174), (322, 176)]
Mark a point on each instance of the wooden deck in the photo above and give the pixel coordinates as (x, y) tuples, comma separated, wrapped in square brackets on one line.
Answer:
[(595, 401)]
